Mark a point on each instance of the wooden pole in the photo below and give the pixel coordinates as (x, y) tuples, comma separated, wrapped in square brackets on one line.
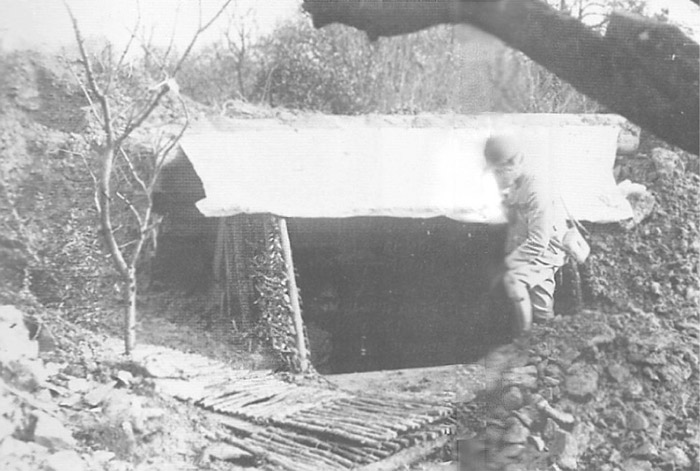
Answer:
[(293, 294)]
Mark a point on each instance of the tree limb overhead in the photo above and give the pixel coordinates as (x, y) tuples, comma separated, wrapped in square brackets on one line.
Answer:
[(644, 70)]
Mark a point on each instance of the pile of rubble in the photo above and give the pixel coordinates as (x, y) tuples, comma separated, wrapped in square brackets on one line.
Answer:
[(615, 392), (80, 415)]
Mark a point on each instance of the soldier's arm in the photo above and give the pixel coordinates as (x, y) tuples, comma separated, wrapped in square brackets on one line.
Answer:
[(540, 215)]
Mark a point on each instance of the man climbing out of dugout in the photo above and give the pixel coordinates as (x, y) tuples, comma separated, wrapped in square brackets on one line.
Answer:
[(536, 227)]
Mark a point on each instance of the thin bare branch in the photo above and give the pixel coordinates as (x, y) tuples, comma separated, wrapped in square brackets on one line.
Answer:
[(126, 48), (92, 83), (93, 108), (169, 49), (202, 28), (134, 173), (131, 207)]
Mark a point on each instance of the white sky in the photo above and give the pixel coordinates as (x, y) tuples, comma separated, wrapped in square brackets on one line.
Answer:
[(44, 23)]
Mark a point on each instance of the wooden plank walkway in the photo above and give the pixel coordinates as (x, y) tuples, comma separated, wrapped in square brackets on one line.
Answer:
[(296, 427)]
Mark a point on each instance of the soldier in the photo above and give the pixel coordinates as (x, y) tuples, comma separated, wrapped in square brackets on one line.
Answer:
[(535, 230)]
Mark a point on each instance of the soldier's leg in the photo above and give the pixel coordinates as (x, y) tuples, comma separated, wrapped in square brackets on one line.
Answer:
[(542, 297), (517, 292)]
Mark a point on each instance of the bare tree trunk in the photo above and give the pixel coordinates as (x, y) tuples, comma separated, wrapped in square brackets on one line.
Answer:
[(130, 313), (604, 68)]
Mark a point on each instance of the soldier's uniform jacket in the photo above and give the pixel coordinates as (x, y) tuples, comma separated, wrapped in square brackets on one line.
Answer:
[(536, 226)]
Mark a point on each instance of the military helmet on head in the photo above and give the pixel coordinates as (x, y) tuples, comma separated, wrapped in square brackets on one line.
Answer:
[(501, 148)]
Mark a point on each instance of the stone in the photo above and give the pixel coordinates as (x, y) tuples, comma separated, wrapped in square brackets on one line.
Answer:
[(527, 416), (513, 451), (636, 421), (618, 372), (562, 417), (581, 381), (551, 428), (525, 376), (66, 460), (645, 450), (565, 450), (602, 334), (14, 335), (124, 378), (51, 433), (640, 199), (666, 162), (95, 397), (24, 373), (616, 418), (493, 434), (78, 385), (103, 456), (12, 447), (567, 447), (551, 382), (7, 428), (118, 465), (554, 371), (634, 389), (537, 442), (636, 465), (677, 457), (226, 452), (516, 433), (512, 399)]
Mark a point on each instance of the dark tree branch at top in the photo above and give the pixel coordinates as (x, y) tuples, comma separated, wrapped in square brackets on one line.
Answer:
[(644, 70)]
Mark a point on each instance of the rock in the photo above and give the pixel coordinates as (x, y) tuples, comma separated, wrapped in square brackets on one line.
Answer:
[(493, 434), (645, 450), (512, 451), (551, 428), (526, 416), (50, 432), (103, 456), (551, 382), (565, 450), (124, 378), (666, 162), (99, 394), (12, 447), (562, 417), (568, 447), (634, 389), (516, 433), (537, 442), (14, 336), (66, 460), (581, 381), (641, 201), (675, 375), (603, 334), (677, 457), (118, 465), (226, 452), (525, 376), (618, 372), (636, 465), (24, 373), (7, 428), (78, 385), (616, 418), (636, 421), (512, 399)]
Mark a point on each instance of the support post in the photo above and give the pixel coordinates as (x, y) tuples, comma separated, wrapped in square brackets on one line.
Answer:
[(293, 295)]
